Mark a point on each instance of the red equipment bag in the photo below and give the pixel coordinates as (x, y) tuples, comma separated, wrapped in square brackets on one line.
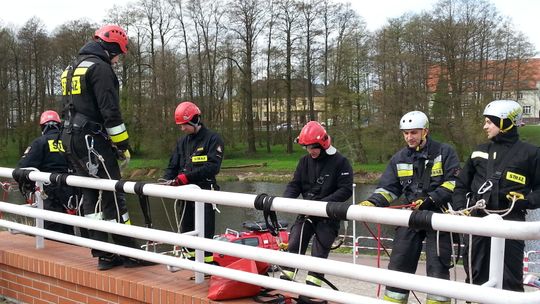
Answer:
[(226, 289)]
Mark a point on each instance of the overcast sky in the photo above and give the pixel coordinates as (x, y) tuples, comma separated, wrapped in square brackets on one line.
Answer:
[(524, 13)]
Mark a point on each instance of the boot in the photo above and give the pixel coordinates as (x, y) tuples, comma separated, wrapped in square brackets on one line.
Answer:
[(130, 262), (108, 262)]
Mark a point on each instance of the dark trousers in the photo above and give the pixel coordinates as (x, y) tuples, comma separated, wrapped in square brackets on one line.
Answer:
[(113, 205), (188, 220), (57, 200), (324, 232), (406, 251), (513, 262)]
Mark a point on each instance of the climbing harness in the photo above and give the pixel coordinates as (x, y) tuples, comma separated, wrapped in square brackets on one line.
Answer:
[(480, 205), (93, 168)]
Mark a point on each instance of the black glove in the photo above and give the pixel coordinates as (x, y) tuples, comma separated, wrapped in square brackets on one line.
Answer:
[(26, 186), (423, 203)]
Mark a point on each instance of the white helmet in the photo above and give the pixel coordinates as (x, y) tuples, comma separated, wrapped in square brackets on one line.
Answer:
[(414, 120), (505, 109)]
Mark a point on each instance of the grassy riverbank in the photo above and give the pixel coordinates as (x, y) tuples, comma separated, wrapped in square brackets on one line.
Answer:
[(276, 166)]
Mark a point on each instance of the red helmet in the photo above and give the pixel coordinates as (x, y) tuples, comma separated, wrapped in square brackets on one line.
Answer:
[(186, 112), (113, 34), (49, 116), (314, 133)]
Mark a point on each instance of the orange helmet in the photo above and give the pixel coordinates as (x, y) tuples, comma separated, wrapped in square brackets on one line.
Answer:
[(49, 116), (113, 34), (187, 113), (313, 133)]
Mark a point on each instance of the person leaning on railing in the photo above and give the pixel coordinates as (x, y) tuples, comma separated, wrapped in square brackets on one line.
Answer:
[(424, 174), (502, 177), (196, 159), (323, 174), (45, 154)]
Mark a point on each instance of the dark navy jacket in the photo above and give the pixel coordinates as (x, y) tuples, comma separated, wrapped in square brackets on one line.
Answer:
[(521, 174), (198, 156), (327, 178), (95, 92), (404, 176), (45, 153)]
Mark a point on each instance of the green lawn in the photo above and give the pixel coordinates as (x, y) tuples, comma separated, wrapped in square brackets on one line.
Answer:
[(276, 161), (530, 134)]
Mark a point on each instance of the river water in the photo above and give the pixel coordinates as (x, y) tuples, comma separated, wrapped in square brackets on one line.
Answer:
[(233, 217)]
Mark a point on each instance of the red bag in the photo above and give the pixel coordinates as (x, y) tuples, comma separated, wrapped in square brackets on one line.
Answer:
[(226, 289)]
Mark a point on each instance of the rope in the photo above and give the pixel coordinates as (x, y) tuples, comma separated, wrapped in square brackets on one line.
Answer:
[(479, 205), (380, 244), (482, 205), (10, 186), (93, 170), (404, 206)]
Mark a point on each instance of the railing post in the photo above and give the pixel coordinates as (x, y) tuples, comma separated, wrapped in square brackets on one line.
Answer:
[(40, 242), (354, 225), (199, 227), (496, 258)]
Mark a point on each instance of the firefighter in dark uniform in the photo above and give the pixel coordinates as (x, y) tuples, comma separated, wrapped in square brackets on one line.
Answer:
[(506, 172), (196, 159), (95, 136), (45, 154), (424, 173), (323, 174)]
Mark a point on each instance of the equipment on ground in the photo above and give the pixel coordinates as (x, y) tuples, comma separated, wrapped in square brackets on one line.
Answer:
[(257, 235)]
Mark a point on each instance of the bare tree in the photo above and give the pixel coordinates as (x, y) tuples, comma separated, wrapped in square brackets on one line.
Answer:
[(288, 25), (310, 10), (247, 22), (179, 13), (269, 78), (207, 17), (29, 54)]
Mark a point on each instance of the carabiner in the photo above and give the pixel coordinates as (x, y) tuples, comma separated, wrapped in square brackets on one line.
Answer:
[(90, 166), (485, 187)]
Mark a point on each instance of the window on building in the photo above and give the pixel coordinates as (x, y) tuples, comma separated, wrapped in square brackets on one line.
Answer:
[(527, 110), (520, 95), (497, 95)]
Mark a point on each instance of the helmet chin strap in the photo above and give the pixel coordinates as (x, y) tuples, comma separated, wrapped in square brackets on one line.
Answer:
[(504, 130), (422, 141)]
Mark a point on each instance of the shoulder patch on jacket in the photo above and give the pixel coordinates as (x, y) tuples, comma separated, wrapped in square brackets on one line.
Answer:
[(480, 154)]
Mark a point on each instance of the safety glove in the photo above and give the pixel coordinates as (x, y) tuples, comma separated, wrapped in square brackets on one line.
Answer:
[(521, 203), (124, 157), (423, 203), (366, 204), (180, 180)]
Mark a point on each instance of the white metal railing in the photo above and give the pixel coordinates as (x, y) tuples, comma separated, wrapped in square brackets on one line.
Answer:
[(480, 226), (527, 262)]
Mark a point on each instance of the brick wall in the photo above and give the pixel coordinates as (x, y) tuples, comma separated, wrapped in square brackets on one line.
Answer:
[(61, 273)]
